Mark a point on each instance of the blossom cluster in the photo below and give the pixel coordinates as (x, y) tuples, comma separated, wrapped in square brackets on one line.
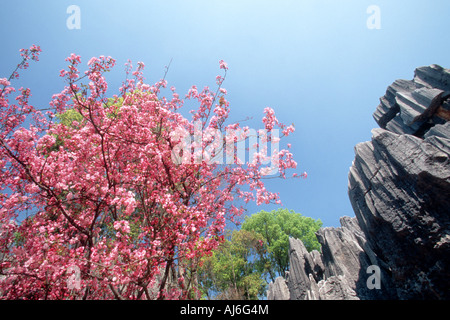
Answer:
[(102, 193)]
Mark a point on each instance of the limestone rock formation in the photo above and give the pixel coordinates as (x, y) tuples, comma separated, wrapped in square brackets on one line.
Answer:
[(398, 245), (278, 290)]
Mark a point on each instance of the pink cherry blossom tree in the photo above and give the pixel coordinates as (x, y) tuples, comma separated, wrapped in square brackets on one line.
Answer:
[(110, 214)]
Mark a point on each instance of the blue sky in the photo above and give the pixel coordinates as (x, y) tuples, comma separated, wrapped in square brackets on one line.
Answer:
[(315, 62)]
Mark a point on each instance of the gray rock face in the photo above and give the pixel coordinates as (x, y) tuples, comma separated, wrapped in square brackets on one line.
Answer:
[(398, 245), (339, 272), (278, 290), (414, 106)]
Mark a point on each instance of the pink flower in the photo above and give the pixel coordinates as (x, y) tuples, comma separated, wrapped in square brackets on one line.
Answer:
[(223, 65), (92, 61), (289, 130), (75, 59), (4, 82), (114, 171), (269, 119), (122, 225)]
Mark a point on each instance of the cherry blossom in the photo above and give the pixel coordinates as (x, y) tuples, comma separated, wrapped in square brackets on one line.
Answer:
[(101, 194)]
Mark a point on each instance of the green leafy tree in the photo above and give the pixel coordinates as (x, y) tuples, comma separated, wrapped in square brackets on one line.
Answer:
[(230, 273), (241, 267), (276, 227)]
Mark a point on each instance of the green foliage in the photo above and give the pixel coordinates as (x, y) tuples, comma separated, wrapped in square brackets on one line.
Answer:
[(276, 227), (230, 272), (68, 117), (19, 238), (114, 105), (241, 267)]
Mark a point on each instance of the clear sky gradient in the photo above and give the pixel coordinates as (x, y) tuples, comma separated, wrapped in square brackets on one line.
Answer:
[(315, 62)]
